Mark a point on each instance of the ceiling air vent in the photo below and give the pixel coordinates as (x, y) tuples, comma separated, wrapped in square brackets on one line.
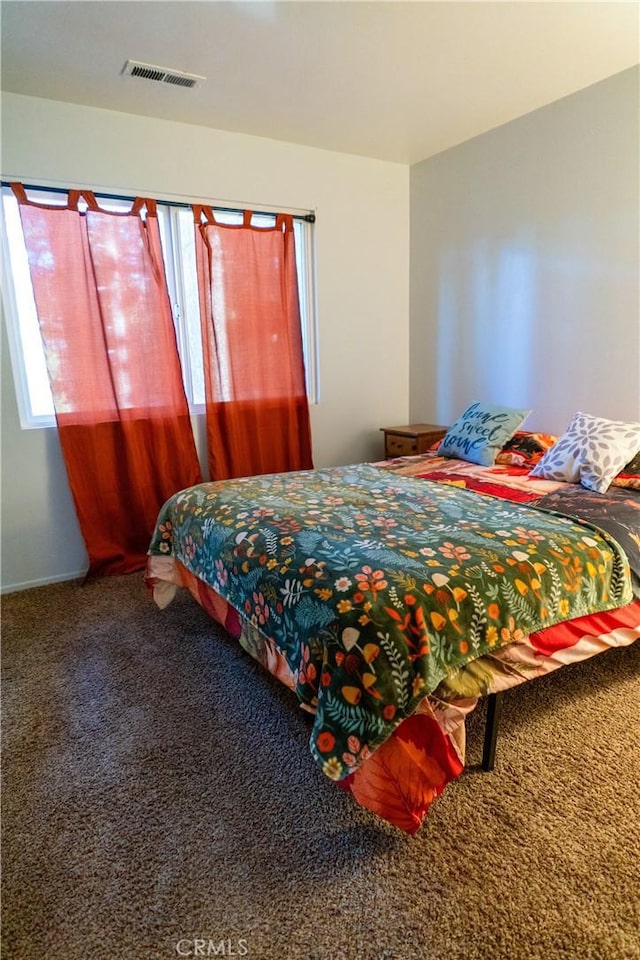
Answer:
[(150, 71)]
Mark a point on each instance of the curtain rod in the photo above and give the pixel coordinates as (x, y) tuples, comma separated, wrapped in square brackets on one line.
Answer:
[(307, 217)]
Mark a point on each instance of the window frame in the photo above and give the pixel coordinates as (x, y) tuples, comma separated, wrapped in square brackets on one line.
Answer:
[(169, 219)]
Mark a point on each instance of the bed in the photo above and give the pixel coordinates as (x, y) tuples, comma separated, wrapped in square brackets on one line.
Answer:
[(391, 596)]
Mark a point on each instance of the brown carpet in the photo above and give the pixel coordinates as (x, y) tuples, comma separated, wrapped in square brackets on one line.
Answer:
[(159, 801)]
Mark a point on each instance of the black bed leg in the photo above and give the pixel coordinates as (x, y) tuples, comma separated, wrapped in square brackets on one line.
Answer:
[(494, 706)]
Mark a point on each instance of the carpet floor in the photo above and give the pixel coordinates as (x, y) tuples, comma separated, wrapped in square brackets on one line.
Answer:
[(159, 801)]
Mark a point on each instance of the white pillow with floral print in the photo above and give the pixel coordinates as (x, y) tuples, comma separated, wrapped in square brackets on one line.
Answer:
[(591, 452)]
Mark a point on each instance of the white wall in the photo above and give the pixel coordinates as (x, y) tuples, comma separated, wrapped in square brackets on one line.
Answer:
[(362, 244), (525, 264)]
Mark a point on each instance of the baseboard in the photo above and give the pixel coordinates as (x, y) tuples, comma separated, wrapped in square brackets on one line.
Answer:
[(42, 581)]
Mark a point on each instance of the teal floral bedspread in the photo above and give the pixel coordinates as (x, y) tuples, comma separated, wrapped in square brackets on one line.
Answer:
[(376, 586)]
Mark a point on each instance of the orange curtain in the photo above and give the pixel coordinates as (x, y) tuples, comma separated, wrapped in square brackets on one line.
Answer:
[(122, 414), (257, 408)]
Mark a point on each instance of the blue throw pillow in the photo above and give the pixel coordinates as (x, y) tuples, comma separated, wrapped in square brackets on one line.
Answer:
[(481, 432)]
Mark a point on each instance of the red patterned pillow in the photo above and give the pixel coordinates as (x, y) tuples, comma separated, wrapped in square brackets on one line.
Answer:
[(629, 476), (525, 448)]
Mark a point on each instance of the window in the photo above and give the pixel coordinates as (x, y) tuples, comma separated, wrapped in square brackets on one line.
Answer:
[(35, 403)]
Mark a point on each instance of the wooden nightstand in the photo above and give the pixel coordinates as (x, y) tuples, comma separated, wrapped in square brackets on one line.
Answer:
[(411, 439)]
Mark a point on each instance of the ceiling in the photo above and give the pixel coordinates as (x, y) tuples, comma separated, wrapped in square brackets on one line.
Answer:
[(398, 81)]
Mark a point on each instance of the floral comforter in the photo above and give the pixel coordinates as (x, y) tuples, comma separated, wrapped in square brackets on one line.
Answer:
[(374, 587)]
